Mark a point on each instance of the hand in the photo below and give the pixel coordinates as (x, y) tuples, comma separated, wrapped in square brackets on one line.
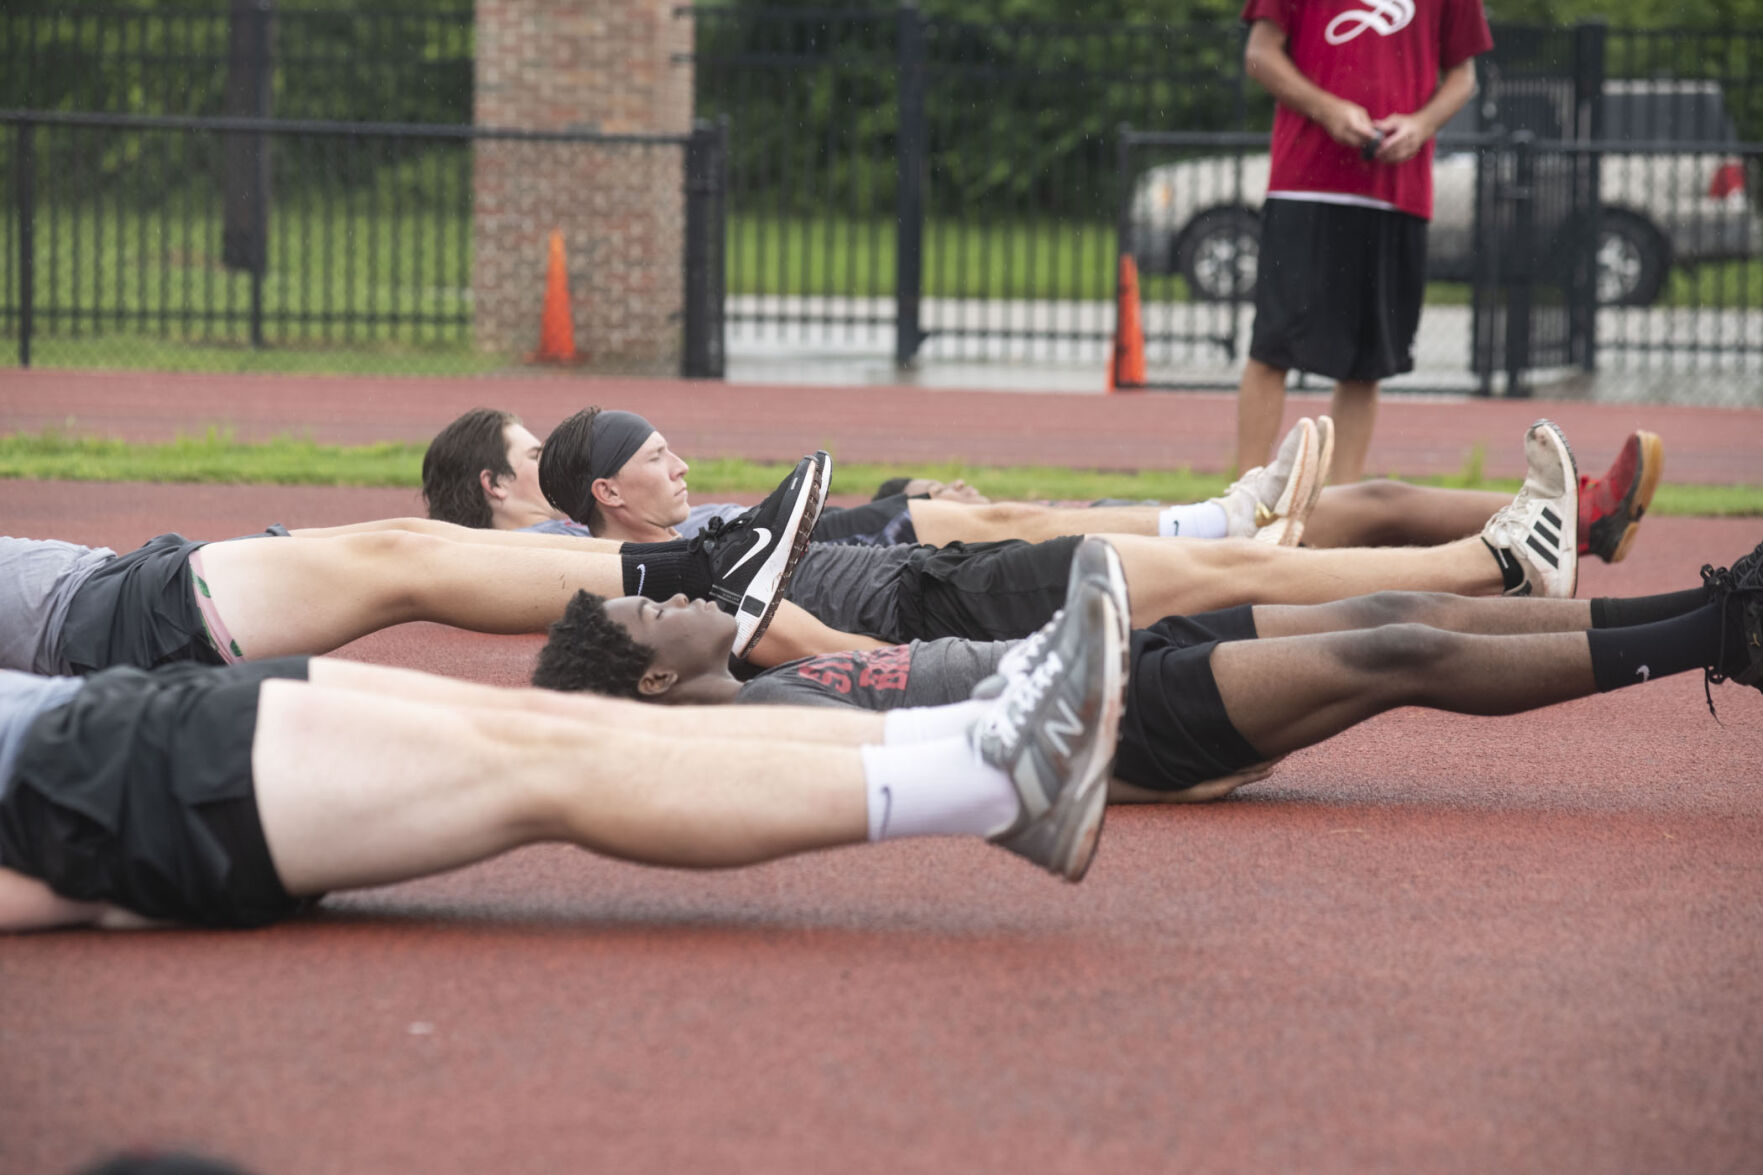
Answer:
[(959, 491), (1348, 124), (1403, 137)]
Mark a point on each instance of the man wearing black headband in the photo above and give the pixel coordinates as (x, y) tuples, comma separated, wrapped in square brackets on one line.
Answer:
[(614, 472), (1006, 590)]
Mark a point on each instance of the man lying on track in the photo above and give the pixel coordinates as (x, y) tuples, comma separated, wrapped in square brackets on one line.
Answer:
[(616, 476), (1005, 590), (73, 610), (70, 609), (1214, 700), (238, 795)]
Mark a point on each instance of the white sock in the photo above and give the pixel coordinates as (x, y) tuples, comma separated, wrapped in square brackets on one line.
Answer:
[(1202, 520), (939, 788), (917, 724)]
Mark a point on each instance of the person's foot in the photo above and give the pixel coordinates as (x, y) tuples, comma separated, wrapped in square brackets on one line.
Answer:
[(1739, 592), (753, 556), (1270, 502), (1610, 507), (1053, 732), (1536, 538)]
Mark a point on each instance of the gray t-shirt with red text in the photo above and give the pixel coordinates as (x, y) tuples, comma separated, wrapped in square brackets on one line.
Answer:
[(922, 673)]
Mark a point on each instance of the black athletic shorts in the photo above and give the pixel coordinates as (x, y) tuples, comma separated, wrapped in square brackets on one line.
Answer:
[(984, 591), (1338, 289), (885, 522), (1175, 732), (140, 609), (138, 792)]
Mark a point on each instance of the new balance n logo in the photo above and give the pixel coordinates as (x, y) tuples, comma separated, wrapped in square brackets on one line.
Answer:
[(1063, 726)]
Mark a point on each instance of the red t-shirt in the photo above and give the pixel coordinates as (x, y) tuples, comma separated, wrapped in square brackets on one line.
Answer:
[(1386, 55)]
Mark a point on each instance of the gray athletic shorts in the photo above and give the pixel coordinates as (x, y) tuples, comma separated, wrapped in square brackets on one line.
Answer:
[(140, 609)]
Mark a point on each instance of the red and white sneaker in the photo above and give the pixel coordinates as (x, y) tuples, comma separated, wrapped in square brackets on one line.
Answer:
[(1610, 507)]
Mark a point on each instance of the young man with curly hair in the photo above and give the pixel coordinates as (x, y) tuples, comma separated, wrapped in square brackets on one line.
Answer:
[(1214, 700)]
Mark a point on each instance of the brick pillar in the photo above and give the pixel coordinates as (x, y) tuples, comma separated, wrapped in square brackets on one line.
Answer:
[(608, 66)]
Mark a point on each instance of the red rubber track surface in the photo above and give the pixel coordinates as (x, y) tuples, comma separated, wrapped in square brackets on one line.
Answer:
[(1435, 943)]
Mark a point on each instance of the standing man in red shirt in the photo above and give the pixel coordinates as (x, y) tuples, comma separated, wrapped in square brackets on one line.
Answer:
[(1363, 86)]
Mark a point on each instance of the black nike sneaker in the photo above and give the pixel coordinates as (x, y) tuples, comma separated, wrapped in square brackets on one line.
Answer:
[(753, 556), (1739, 592)]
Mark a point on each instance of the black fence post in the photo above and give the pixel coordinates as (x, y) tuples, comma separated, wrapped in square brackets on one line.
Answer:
[(27, 237), (1521, 275), (245, 237), (706, 230), (1589, 41), (911, 147), (1123, 142)]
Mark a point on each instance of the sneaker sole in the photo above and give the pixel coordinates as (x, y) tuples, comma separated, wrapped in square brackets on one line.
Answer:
[(1288, 529), (1570, 515), (1652, 466), (774, 574), (1090, 797)]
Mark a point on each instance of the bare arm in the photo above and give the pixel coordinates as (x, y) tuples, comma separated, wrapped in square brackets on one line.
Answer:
[(1406, 134), (794, 633), (28, 904), (1267, 61)]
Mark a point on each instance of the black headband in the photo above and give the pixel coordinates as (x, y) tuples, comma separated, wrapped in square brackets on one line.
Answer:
[(617, 437)]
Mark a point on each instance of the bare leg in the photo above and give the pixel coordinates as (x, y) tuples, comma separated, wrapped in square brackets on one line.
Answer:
[(1386, 513), (835, 725), (1435, 610), (287, 596), (465, 534), (1293, 692), (363, 789), (1261, 404), (941, 522), (1354, 409), (1169, 577)]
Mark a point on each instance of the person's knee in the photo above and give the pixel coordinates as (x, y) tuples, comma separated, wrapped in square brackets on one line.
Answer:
[(1399, 655), (1381, 494), (1009, 514), (1381, 609)]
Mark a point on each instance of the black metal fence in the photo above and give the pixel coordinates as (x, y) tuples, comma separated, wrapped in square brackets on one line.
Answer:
[(921, 187), (900, 184), (1547, 258), (331, 61), (127, 235), (905, 182)]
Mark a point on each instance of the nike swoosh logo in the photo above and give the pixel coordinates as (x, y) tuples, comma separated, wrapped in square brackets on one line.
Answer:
[(887, 794), (642, 576), (764, 537)]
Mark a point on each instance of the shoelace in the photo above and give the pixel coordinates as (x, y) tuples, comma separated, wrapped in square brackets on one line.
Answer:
[(1716, 581), (1030, 647), (1021, 700), (713, 532)]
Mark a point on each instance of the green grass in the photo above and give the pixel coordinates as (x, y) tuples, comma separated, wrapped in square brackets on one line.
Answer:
[(216, 456)]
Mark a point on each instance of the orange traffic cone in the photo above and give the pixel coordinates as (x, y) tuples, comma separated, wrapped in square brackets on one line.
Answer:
[(1128, 368), (556, 330)]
